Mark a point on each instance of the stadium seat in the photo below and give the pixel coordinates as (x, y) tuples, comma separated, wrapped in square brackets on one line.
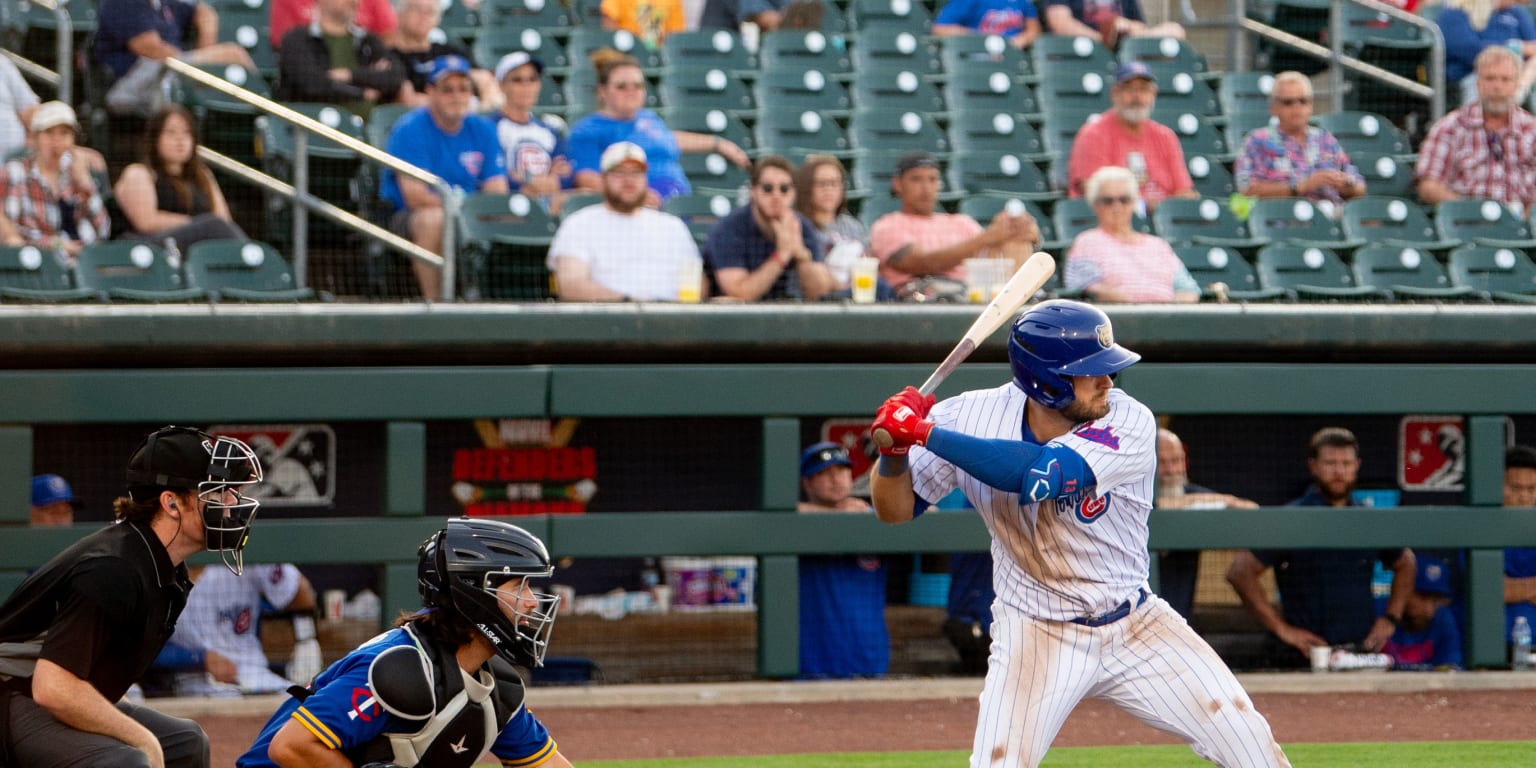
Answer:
[(381, 120), (1211, 176), (794, 91), (689, 88), (1206, 221), (1074, 215), (1073, 90), (1394, 221), (872, 170), (1211, 265), (1067, 54), (989, 53), (225, 124), (549, 15), (1482, 222), (699, 212), (575, 201), (995, 131), (890, 45), (1240, 91), (878, 129), (1165, 54), (130, 271), (1360, 132), (1396, 46), (1385, 175), (1181, 92), (465, 24), (584, 40), (976, 171), (982, 206), (1244, 121), (795, 134), (1306, 19), (33, 274), (878, 87), (711, 173), (716, 122), (718, 48), (1407, 273), (242, 270), (335, 172), (1311, 272), (1506, 274), (505, 241), (976, 87), (876, 205), (868, 13), (1300, 221), (248, 27), (1197, 135), (492, 44), (795, 50)]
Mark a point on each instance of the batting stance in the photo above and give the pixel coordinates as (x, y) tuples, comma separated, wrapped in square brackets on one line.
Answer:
[(1060, 465), (84, 627), (439, 689)]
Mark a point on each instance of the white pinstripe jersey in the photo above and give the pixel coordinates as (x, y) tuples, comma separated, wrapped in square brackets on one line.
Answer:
[(1079, 555)]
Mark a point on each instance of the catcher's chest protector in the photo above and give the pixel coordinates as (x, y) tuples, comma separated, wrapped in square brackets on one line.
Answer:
[(466, 721)]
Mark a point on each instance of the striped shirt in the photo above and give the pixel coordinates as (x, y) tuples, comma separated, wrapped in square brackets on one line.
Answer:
[(1079, 555), (1146, 270), (899, 229), (1473, 161)]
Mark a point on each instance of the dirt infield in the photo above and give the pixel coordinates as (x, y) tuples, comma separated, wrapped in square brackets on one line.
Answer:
[(619, 732)]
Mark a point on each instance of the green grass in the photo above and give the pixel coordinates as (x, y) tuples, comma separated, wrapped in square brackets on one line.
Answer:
[(1462, 754)]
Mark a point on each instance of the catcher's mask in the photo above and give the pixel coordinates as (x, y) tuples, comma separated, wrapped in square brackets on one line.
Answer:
[(219, 469), (460, 568)]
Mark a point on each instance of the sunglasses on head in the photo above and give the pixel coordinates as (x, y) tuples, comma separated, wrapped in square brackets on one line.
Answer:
[(769, 189)]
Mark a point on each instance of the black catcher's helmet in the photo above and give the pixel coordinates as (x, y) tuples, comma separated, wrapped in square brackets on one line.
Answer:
[(460, 568)]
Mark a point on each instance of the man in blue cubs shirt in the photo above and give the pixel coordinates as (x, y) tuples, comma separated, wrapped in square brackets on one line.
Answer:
[(444, 138), (439, 689), (1519, 562), (1429, 636)]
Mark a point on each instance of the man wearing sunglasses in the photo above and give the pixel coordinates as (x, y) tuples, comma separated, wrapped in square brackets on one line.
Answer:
[(766, 250), (1487, 148), (1292, 158), (1127, 136)]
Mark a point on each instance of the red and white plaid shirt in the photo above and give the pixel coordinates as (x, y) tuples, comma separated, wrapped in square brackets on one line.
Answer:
[(1463, 154), (34, 208)]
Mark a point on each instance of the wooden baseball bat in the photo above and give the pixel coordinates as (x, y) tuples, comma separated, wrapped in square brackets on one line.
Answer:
[(1019, 288)]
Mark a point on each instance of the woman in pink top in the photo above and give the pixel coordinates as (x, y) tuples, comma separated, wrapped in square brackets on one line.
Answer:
[(1115, 263)]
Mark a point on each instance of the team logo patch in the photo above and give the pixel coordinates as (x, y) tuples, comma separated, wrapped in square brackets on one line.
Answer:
[(1431, 453), (1091, 509), (472, 162), (1106, 336), (364, 706), (1104, 436), (243, 621)]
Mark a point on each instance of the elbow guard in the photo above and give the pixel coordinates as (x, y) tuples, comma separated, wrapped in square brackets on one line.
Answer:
[(1057, 471)]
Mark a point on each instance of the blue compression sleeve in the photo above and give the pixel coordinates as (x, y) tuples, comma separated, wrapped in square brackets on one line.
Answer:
[(1037, 472)]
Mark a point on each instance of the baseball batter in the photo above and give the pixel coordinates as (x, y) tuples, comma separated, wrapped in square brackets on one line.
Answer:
[(1060, 464)]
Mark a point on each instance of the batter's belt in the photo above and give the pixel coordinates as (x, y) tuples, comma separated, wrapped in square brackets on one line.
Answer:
[(1114, 614)]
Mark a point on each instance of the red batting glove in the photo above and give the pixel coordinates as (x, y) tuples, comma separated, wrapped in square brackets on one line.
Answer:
[(903, 424), (920, 403)]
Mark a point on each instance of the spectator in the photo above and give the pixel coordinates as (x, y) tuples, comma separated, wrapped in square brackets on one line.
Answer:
[(1178, 570), (1429, 636), (649, 20), (1519, 562), (376, 16), (9, 236), (593, 256), (1015, 20), (216, 648), (49, 195), (17, 102), (53, 501), (1127, 136), (768, 15), (1105, 20), (1293, 158), (416, 49), (921, 240), (622, 116), (766, 249), (1470, 26), (333, 60), (135, 37), (483, 611), (171, 195), (1486, 149), (444, 138), (536, 157), (1115, 263), (77, 632), (1326, 593), (842, 597), (821, 196), (968, 614)]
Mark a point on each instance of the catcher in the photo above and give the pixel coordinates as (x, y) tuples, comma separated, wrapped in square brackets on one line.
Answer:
[(439, 689)]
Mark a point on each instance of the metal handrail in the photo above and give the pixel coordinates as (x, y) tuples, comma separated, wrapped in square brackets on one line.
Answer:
[(445, 262), (63, 48), (31, 68)]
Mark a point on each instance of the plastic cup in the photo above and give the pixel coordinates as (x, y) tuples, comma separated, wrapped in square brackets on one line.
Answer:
[(1320, 656), (865, 270), (690, 275)]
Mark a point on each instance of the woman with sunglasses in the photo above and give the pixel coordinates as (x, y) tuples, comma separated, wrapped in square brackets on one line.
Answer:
[(1115, 263), (1292, 158), (622, 116)]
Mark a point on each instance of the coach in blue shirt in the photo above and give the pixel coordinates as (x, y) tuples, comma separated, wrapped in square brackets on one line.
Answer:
[(444, 138)]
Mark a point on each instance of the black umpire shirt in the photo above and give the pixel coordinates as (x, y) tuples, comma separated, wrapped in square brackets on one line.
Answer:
[(103, 608)]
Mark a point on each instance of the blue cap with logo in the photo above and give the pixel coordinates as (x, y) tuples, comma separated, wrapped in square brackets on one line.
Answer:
[(1132, 70), (51, 489), (822, 455), (1434, 578), (447, 66)]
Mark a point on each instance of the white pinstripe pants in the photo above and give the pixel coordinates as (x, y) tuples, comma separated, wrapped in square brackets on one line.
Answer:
[(1150, 664)]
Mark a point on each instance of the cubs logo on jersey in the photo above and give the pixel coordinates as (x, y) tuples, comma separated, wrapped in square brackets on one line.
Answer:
[(1087, 506)]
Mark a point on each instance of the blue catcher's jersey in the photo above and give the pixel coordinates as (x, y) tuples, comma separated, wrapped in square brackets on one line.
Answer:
[(344, 714)]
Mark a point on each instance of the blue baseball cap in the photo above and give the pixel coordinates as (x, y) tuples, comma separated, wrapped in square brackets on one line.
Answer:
[(447, 66), (822, 455), (1434, 578), (1132, 70), (51, 489)]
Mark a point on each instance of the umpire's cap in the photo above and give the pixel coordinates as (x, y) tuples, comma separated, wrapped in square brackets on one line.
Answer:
[(178, 457)]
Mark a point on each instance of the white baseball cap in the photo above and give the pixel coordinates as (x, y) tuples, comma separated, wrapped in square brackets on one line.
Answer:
[(514, 60), (53, 113), (623, 152)]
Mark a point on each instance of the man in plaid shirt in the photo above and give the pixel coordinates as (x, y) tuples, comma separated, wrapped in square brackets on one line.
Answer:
[(1486, 149)]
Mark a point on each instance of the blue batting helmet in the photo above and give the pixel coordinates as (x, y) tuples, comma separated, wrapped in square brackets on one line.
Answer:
[(1058, 339)]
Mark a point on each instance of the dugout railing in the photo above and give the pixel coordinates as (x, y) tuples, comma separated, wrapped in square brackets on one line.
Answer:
[(403, 399)]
